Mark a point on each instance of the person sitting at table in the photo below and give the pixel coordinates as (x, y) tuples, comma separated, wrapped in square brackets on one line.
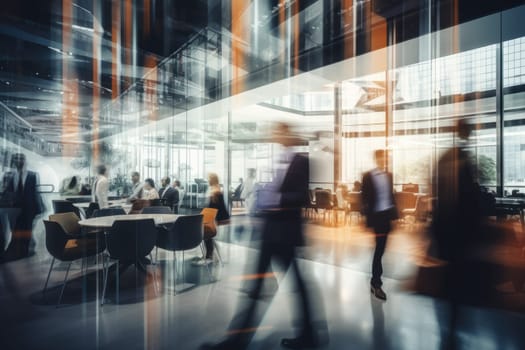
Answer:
[(216, 200), (168, 195), (148, 190), (136, 187), (70, 186)]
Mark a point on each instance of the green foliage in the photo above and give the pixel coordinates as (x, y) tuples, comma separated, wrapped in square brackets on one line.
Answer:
[(486, 170)]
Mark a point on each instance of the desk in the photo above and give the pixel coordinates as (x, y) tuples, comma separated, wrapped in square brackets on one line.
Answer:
[(106, 222)]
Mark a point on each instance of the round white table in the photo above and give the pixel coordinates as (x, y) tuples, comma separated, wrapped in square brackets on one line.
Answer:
[(117, 203), (107, 221)]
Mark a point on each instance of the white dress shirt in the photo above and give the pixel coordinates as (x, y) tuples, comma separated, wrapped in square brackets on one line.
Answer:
[(100, 191), (383, 191)]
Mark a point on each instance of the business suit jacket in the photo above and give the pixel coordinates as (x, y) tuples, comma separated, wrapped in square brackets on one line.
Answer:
[(169, 197), (284, 226), (456, 216), (369, 197), (30, 202)]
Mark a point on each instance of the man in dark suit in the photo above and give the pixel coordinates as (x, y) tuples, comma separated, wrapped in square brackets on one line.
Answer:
[(23, 185), (281, 202), (168, 195), (457, 226), (380, 209)]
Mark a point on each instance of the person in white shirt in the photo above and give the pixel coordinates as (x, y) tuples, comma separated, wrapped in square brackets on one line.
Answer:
[(148, 190), (101, 187)]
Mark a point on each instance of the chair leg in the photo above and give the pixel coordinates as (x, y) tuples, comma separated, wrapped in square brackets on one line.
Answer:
[(174, 273), (207, 266), (183, 272), (154, 275), (118, 282), (64, 285), (218, 252), (105, 266), (48, 274)]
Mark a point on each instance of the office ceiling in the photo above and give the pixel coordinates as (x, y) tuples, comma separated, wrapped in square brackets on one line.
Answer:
[(48, 88)]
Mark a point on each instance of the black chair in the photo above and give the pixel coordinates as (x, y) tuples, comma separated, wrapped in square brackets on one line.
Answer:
[(108, 212), (185, 234), (63, 206), (323, 200), (91, 209), (129, 241), (156, 210), (156, 202), (137, 205), (67, 247)]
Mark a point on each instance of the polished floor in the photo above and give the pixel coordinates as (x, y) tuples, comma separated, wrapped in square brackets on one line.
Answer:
[(336, 265)]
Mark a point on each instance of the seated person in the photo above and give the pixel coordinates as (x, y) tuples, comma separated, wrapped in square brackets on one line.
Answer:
[(236, 196), (136, 187), (70, 186), (216, 200), (169, 196), (148, 190)]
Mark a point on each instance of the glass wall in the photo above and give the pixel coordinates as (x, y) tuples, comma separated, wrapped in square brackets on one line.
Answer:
[(405, 74)]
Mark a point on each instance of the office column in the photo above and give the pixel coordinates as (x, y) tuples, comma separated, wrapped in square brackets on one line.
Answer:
[(338, 122), (499, 115)]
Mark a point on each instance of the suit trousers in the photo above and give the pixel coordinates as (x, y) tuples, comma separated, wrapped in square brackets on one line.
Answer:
[(248, 319), (382, 226)]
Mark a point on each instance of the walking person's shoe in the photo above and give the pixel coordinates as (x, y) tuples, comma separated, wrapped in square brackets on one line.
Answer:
[(301, 342), (378, 293)]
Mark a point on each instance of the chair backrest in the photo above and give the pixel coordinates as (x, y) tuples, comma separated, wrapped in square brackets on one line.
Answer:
[(186, 233), (108, 212), (156, 210), (354, 199), (138, 204), (410, 187), (131, 239), (91, 209), (323, 199), (405, 200), (56, 239), (63, 206), (68, 221), (155, 202), (208, 218), (422, 207)]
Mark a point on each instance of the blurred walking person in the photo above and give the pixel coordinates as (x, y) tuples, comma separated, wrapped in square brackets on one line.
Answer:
[(380, 209), (456, 225), (281, 202)]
